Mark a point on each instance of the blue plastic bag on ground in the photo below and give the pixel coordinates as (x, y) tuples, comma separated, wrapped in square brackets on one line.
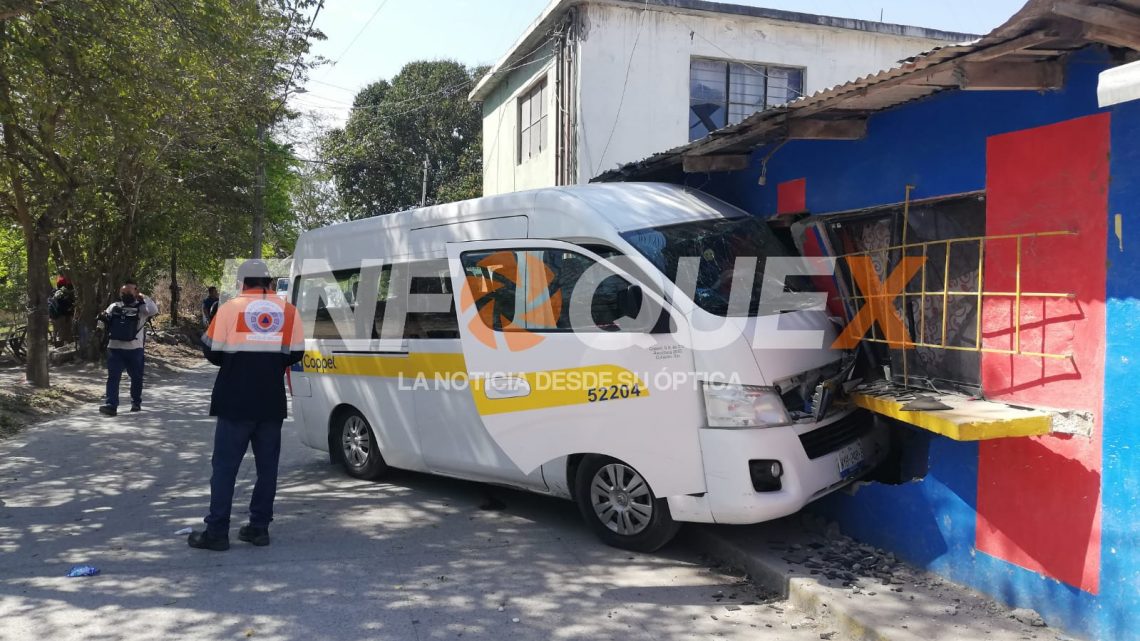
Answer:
[(83, 570)]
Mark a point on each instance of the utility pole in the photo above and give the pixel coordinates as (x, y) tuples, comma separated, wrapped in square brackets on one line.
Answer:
[(423, 196), (259, 192)]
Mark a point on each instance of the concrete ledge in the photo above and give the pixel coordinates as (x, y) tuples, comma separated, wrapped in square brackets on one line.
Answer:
[(966, 419), (884, 601)]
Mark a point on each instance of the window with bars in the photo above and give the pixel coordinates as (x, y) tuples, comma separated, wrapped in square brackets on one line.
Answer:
[(723, 93), (533, 122)]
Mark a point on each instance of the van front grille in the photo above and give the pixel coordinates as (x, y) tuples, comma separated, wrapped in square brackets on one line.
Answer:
[(829, 438)]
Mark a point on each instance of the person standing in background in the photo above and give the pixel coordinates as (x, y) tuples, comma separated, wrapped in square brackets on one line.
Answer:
[(125, 321), (61, 308), (209, 305)]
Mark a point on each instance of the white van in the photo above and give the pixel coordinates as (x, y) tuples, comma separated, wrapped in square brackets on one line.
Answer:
[(452, 340), (282, 287)]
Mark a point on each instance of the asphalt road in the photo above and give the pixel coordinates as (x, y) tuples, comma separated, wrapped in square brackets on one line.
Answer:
[(412, 557)]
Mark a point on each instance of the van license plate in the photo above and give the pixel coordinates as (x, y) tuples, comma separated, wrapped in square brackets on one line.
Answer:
[(851, 459)]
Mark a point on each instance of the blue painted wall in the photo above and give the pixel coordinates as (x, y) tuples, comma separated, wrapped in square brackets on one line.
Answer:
[(939, 145), (1119, 607)]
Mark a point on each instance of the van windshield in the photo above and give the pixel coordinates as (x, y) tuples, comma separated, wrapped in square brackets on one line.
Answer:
[(710, 248)]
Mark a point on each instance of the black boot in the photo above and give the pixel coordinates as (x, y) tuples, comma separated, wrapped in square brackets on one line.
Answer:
[(258, 536), (205, 541)]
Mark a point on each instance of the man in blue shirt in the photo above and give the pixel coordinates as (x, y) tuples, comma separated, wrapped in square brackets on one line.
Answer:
[(208, 305)]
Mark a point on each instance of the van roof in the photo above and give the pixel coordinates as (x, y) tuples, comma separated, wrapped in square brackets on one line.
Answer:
[(616, 207), (625, 207)]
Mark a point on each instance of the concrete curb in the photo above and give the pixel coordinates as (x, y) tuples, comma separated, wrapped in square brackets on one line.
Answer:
[(921, 609)]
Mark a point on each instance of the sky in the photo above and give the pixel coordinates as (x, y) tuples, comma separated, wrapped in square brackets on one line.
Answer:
[(372, 39)]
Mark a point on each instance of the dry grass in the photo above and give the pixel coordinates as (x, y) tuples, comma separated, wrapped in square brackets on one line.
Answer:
[(22, 405), (74, 385)]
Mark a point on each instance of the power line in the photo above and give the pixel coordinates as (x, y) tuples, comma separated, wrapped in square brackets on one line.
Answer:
[(431, 94), (359, 33), (625, 85), (297, 62), (329, 84)]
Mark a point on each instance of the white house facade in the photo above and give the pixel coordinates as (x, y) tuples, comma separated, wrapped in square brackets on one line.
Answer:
[(593, 84)]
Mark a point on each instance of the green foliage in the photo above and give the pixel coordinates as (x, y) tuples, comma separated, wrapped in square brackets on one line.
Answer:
[(13, 273), (377, 159), (129, 133)]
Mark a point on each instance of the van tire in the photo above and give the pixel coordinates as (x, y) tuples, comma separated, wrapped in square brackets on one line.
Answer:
[(356, 446), (646, 518)]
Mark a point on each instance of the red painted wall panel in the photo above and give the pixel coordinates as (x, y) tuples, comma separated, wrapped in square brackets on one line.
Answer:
[(1039, 498), (791, 196)]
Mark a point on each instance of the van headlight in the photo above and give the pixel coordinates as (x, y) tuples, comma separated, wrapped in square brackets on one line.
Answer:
[(744, 406)]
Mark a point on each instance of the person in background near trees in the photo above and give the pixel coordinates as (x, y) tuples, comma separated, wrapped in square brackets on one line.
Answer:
[(209, 305), (61, 308), (253, 339), (125, 321)]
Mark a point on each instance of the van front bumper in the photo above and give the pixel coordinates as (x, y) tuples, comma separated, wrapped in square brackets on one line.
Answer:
[(731, 497)]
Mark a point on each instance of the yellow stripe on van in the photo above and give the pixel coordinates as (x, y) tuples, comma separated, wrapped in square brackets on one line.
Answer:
[(548, 388), (562, 387), (407, 366)]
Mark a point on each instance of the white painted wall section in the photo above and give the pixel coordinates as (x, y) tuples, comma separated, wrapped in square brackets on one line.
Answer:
[(653, 113), (502, 171)]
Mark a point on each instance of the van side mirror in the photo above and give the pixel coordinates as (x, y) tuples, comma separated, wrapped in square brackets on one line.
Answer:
[(629, 301)]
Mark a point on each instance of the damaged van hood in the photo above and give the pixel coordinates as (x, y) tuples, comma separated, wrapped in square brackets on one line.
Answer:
[(790, 343)]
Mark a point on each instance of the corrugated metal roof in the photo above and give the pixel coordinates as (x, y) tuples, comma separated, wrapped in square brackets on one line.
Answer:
[(1038, 25)]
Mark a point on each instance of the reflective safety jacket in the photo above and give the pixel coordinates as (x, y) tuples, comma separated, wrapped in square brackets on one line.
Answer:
[(253, 338)]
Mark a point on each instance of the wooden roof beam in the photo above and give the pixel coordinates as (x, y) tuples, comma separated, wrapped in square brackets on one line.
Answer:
[(1114, 18), (1113, 37), (1010, 76), (1014, 45), (817, 129), (713, 164)]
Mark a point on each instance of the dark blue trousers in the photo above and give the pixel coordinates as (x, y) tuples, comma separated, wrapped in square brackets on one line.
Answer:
[(130, 360), (231, 440)]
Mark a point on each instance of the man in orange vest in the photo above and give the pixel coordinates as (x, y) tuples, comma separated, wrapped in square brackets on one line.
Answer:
[(253, 338)]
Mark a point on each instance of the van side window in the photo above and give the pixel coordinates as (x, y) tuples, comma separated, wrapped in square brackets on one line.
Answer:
[(321, 296), (322, 299), (410, 279), (432, 277), (532, 290)]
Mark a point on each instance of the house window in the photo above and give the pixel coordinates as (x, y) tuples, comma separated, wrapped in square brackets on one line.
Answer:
[(532, 122), (723, 93)]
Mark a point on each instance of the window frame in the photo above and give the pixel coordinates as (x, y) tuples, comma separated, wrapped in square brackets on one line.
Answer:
[(653, 328), (728, 104), (535, 94), (384, 282)]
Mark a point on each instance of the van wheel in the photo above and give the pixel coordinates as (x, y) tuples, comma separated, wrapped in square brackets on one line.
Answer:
[(620, 507), (359, 451)]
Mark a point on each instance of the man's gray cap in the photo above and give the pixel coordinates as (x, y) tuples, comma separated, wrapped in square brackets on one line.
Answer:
[(253, 268)]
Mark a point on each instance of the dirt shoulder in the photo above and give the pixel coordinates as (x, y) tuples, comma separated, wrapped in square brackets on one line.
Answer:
[(76, 385)]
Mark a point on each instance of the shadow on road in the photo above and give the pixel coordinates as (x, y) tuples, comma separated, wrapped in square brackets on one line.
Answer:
[(408, 558)]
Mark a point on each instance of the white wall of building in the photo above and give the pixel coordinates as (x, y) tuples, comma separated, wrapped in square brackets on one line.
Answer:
[(502, 171), (653, 115)]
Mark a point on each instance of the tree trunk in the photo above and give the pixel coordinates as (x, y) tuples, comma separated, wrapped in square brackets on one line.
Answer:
[(259, 193), (39, 246), (174, 289), (88, 305)]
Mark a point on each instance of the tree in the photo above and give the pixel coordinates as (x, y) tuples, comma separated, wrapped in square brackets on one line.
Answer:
[(16, 8), (130, 130), (377, 159)]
